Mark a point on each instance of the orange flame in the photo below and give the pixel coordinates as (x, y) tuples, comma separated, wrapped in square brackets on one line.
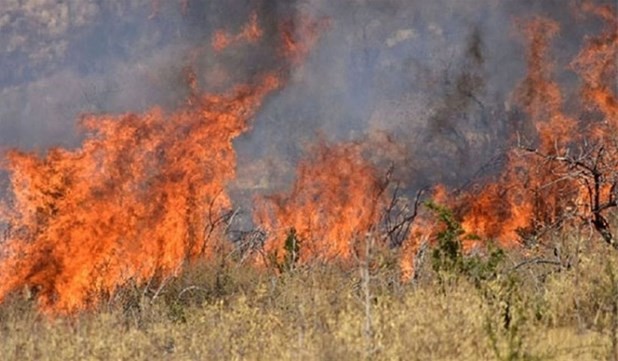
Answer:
[(132, 202), (538, 191), (526, 192), (300, 35), (541, 96), (422, 232), (596, 64), (136, 199), (534, 191), (251, 33), (333, 204)]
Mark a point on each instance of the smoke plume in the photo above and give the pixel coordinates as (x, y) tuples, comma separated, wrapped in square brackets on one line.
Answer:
[(130, 129)]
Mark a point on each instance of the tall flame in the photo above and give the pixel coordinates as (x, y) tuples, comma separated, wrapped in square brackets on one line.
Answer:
[(134, 200), (334, 202), (137, 200), (597, 66), (538, 186), (527, 191)]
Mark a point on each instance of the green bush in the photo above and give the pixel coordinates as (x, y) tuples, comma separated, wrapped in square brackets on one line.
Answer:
[(448, 260)]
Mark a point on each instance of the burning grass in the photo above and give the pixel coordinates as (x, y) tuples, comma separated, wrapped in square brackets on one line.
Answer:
[(139, 198), (335, 201), (127, 203), (130, 231), (225, 310), (567, 174)]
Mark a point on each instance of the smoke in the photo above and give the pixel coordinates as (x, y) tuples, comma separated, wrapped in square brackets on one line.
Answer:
[(436, 76), (69, 58), (306, 112)]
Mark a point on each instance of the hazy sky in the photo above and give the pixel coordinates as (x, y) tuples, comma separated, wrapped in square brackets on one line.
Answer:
[(394, 66)]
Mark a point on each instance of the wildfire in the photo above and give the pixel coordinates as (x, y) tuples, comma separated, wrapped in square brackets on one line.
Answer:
[(540, 189), (139, 198), (136, 201), (250, 33), (596, 64), (334, 202), (570, 174), (132, 202)]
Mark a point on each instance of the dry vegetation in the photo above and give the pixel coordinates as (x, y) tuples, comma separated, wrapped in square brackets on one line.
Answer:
[(96, 237), (553, 302)]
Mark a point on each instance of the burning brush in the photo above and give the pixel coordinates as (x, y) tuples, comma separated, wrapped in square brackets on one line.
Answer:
[(141, 197)]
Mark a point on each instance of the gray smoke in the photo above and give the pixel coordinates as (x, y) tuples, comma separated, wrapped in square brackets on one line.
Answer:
[(435, 75)]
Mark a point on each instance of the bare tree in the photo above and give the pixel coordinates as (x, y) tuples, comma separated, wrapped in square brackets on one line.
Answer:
[(593, 169)]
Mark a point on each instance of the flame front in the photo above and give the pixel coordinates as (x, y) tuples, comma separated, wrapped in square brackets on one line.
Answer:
[(334, 202), (134, 200), (553, 181), (539, 188)]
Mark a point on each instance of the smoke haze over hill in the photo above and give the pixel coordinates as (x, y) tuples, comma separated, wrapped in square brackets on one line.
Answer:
[(435, 75)]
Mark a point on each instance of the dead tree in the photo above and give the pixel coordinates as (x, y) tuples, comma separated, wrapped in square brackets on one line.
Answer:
[(594, 168)]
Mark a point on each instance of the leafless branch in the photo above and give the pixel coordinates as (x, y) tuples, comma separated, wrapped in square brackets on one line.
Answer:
[(397, 232), (536, 261), (589, 167)]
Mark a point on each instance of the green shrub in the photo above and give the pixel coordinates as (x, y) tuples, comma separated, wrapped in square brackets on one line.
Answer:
[(448, 260), (291, 256)]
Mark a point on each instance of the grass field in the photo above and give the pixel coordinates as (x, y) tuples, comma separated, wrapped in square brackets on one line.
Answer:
[(555, 303), (121, 248)]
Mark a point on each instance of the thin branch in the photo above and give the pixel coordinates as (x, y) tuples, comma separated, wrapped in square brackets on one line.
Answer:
[(536, 261), (187, 289), (406, 220)]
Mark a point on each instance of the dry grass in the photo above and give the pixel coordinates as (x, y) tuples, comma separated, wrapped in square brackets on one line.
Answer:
[(235, 312)]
